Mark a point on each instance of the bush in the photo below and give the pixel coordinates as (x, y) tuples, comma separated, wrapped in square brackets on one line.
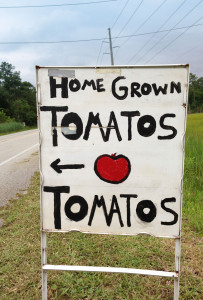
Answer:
[(3, 117), (10, 127)]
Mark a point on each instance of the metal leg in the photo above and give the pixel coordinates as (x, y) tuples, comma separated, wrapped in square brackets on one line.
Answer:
[(44, 261), (84, 268), (177, 268), (176, 288)]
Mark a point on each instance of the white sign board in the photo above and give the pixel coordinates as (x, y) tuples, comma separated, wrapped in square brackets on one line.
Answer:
[(112, 148)]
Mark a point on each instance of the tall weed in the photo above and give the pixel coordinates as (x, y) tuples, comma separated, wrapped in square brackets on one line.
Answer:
[(10, 127)]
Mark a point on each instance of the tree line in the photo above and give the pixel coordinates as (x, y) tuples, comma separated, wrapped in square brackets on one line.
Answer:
[(195, 94), (18, 98)]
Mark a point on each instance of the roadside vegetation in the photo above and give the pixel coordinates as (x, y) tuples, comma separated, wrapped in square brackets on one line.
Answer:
[(193, 178), (20, 260), (8, 125), (195, 104), (12, 127), (17, 101)]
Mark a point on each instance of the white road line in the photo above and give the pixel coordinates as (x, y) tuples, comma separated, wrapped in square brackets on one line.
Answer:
[(15, 156)]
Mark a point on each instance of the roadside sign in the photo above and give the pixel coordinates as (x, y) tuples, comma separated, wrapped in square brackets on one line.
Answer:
[(112, 155), (112, 148)]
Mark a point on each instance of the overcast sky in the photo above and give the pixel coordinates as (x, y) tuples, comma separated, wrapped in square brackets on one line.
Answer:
[(141, 18)]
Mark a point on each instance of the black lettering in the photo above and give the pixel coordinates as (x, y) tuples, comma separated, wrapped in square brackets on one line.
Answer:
[(54, 137), (130, 115), (57, 190), (75, 119), (134, 89), (167, 127), (159, 89), (175, 86), (89, 83), (113, 211), (81, 214), (146, 125), (63, 86), (146, 89), (175, 215), (101, 203), (128, 196), (113, 120), (100, 86), (74, 85), (122, 88), (146, 216), (54, 110), (96, 121)]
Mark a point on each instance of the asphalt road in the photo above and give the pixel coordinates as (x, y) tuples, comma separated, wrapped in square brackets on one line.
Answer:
[(18, 162)]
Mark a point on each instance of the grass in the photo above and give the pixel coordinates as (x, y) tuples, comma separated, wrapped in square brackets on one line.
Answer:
[(193, 178), (20, 262), (12, 127)]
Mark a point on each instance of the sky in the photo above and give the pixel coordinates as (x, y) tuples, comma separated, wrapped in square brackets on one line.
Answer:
[(144, 32)]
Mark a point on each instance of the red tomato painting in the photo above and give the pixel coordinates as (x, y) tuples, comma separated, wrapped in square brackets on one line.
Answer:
[(112, 169)]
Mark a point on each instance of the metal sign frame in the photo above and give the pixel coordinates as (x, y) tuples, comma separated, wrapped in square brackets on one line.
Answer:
[(47, 267)]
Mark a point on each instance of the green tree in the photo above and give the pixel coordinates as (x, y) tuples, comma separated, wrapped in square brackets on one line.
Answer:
[(10, 79), (17, 98), (195, 93), (3, 117), (4, 100)]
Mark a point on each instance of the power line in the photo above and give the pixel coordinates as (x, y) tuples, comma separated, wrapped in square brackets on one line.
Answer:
[(100, 49), (120, 14), (54, 5), (102, 57), (174, 40), (147, 42), (188, 13), (98, 39), (136, 9), (146, 20)]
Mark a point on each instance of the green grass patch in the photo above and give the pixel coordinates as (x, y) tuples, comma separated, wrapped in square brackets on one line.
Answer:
[(193, 177), (21, 267), (20, 259), (12, 127)]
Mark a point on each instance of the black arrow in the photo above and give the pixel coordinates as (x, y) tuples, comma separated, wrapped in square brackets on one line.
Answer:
[(58, 168)]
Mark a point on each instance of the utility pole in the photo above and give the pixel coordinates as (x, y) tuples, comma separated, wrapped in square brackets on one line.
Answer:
[(111, 48)]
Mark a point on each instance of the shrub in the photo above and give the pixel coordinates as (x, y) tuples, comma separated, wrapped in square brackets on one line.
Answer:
[(3, 117), (10, 127)]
